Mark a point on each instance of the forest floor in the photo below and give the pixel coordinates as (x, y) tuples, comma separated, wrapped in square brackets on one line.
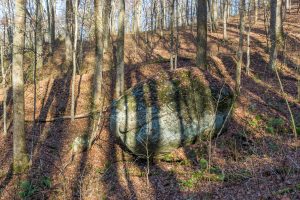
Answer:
[(256, 157)]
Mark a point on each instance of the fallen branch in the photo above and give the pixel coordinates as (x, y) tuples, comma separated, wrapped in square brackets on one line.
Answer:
[(80, 116)]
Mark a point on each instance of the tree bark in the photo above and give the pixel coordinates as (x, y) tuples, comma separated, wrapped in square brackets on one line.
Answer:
[(225, 15), (68, 33), (213, 13), (51, 24), (74, 60), (240, 50), (4, 91), (39, 35), (201, 33), (120, 51), (172, 34), (255, 11), (102, 35), (276, 31), (248, 39), (21, 161)]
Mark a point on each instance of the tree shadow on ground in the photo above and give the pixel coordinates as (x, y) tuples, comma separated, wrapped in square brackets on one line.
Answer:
[(48, 143)]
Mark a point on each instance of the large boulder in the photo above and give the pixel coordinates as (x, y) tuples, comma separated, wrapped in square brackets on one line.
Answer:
[(169, 111)]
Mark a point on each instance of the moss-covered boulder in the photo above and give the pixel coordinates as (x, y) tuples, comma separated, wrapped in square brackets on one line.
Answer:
[(169, 111)]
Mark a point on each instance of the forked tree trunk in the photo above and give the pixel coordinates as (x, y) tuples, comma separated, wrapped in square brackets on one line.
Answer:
[(120, 51), (240, 50), (21, 161), (201, 33)]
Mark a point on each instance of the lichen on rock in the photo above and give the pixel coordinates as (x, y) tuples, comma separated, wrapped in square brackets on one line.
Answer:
[(163, 113)]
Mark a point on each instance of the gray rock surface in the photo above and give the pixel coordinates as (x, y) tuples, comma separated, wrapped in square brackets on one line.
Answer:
[(167, 112)]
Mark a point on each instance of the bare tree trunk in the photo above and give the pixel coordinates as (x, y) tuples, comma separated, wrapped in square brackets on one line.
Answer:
[(39, 35), (187, 12), (80, 60), (137, 16), (99, 55), (172, 34), (225, 15), (210, 15), (240, 50), (248, 39), (51, 23), (38, 48), (4, 91), (74, 60), (255, 11), (68, 33), (266, 24), (177, 35), (120, 51), (298, 77), (288, 5), (161, 18), (102, 35), (52, 7), (214, 15), (201, 34), (21, 161), (276, 31)]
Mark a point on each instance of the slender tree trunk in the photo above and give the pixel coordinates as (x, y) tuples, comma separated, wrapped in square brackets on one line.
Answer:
[(21, 161), (266, 24), (210, 15), (51, 23), (107, 43), (172, 34), (80, 60), (201, 33), (102, 34), (276, 31), (38, 47), (177, 35), (99, 54), (137, 15), (255, 11), (213, 13), (39, 35), (288, 5), (161, 18), (248, 39), (4, 91), (187, 12), (298, 77), (225, 14), (240, 50), (74, 60), (52, 8), (120, 51), (68, 33)]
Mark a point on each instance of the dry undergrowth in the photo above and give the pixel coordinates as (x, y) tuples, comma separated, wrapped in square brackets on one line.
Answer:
[(255, 157)]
